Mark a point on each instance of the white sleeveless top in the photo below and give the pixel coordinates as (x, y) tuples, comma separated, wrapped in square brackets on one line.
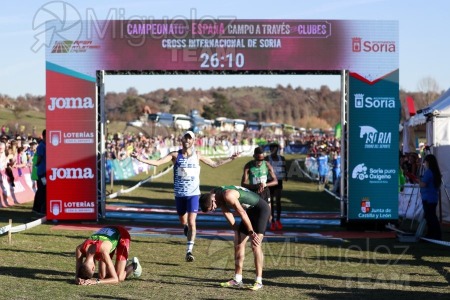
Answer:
[(186, 175)]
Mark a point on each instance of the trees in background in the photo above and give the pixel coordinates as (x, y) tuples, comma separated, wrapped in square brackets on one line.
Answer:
[(316, 108)]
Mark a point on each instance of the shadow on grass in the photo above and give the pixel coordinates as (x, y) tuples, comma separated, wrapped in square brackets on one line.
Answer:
[(105, 297), (370, 293), (35, 251), (47, 275)]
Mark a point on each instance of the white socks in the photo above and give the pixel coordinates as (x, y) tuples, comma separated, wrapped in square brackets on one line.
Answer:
[(189, 246)]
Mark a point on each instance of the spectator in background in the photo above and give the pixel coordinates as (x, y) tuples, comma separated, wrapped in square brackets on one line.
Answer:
[(122, 153), (322, 168), (3, 156), (9, 174), (421, 150), (34, 157), (21, 160), (430, 183), (3, 165), (336, 162), (29, 152), (278, 163), (40, 198)]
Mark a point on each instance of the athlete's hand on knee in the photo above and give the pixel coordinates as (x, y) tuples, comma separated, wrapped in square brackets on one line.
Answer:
[(255, 239)]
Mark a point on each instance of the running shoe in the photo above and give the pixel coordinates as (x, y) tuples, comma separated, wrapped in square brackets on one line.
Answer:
[(185, 229), (232, 284), (273, 226), (279, 225), (137, 268), (189, 257), (256, 286)]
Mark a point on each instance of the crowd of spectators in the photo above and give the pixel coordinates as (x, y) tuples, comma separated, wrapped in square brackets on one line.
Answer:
[(17, 147), (121, 145), (16, 152)]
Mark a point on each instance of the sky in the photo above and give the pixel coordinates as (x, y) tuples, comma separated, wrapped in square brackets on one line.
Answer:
[(423, 32)]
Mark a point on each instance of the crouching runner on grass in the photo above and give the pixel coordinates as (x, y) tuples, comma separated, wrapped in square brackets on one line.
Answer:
[(254, 212), (101, 247)]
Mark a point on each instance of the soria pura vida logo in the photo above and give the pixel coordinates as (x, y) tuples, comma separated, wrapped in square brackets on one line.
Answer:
[(375, 139), (374, 102), (70, 103), (374, 175), (360, 45), (58, 137)]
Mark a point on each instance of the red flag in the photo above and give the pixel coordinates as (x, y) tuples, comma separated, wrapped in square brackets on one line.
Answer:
[(411, 106)]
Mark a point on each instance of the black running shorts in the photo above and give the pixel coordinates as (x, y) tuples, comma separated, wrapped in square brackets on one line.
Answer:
[(259, 216)]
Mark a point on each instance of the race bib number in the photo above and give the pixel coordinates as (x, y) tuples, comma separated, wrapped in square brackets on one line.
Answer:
[(258, 180), (187, 172)]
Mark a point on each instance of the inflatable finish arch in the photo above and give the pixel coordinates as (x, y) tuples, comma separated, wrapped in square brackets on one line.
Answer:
[(365, 53)]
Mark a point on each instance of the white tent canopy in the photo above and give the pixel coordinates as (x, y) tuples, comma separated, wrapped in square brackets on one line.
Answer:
[(437, 107), (437, 119)]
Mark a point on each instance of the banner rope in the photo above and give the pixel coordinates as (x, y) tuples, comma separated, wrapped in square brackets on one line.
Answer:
[(15, 229), (150, 178)]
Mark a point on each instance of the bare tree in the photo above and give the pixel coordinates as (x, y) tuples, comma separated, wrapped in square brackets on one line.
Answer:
[(429, 88)]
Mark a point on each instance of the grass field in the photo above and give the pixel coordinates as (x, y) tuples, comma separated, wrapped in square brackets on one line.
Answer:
[(40, 261)]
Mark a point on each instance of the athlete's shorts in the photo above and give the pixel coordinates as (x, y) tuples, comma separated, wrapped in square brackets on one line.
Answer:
[(259, 216), (265, 194), (188, 204), (123, 246)]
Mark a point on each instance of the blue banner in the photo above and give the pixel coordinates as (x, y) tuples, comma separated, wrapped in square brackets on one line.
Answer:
[(373, 153)]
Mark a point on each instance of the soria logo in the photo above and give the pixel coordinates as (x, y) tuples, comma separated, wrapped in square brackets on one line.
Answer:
[(373, 102), (375, 139), (359, 45), (356, 44), (70, 103), (71, 173)]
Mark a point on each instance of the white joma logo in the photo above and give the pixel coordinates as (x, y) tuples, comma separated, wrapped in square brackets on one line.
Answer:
[(70, 103), (71, 173)]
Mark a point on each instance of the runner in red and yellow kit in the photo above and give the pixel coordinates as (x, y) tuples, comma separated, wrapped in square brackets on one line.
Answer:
[(101, 246)]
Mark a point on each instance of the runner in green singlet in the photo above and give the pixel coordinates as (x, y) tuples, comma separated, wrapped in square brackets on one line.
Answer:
[(254, 213)]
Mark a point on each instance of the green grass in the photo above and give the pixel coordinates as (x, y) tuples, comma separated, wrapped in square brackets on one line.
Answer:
[(28, 119), (39, 263)]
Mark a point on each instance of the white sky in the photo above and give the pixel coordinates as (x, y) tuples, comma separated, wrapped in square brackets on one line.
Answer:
[(424, 42)]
